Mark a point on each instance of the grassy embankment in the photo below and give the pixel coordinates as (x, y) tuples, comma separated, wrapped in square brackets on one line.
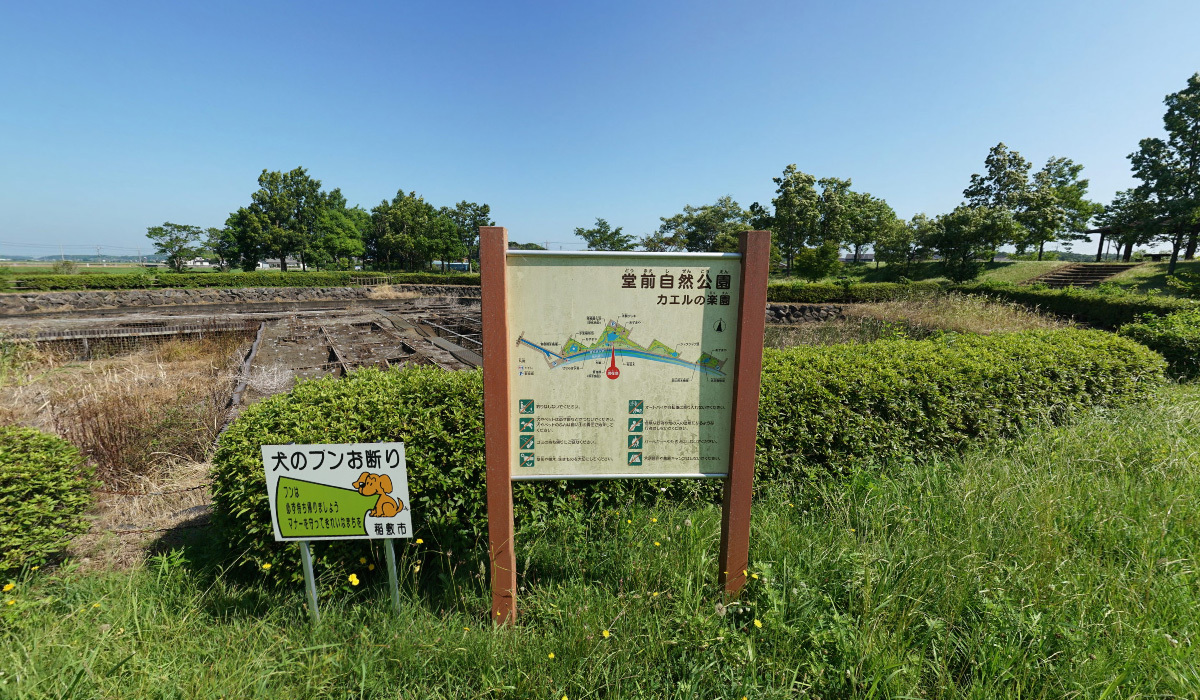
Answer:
[(1152, 276), (1060, 565), (917, 317), (1015, 271)]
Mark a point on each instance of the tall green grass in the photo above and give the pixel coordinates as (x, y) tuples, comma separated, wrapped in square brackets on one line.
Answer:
[(1062, 565)]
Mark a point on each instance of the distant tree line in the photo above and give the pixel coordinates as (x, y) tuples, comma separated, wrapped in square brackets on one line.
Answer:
[(814, 219), (290, 217)]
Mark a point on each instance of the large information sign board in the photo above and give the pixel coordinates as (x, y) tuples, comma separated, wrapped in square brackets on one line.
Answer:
[(621, 366)]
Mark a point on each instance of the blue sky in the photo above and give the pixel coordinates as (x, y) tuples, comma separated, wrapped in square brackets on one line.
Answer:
[(121, 116)]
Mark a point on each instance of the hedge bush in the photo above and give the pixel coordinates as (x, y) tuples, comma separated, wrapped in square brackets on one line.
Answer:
[(1093, 307), (233, 280), (45, 283), (44, 489), (823, 409), (1175, 336), (828, 293)]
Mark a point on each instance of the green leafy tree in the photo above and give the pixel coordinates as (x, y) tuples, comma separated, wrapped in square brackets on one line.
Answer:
[(816, 262), (281, 219), (403, 231), (1129, 220), (443, 239), (795, 223), (339, 233), (1003, 187), (1041, 216), (905, 243), (603, 237), (1004, 184), (835, 205), (247, 228), (1054, 206), (966, 235), (696, 228), (178, 242), (869, 219), (1170, 172), (222, 244), (468, 218)]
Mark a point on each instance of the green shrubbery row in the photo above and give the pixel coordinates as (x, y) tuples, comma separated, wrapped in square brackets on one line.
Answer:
[(1093, 307), (44, 489), (234, 280), (1175, 336), (828, 293), (823, 409)]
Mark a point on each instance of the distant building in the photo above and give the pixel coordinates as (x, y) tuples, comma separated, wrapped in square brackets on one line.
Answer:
[(458, 266)]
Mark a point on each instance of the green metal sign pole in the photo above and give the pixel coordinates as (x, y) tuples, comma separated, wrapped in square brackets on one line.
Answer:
[(310, 583), (390, 552)]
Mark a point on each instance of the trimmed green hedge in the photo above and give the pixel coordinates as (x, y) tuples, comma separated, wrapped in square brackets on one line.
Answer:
[(44, 283), (45, 487), (1175, 336), (823, 409), (1095, 308), (790, 292), (827, 293), (833, 406), (233, 280)]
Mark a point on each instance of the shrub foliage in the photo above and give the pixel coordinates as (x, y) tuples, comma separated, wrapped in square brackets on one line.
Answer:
[(44, 489), (1175, 336), (829, 293), (823, 408), (1094, 307), (234, 280)]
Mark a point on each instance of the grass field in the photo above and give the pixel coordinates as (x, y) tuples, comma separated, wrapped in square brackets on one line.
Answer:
[(1063, 565), (1152, 276), (1014, 271)]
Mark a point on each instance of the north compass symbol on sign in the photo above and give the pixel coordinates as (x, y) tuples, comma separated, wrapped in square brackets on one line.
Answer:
[(719, 326)]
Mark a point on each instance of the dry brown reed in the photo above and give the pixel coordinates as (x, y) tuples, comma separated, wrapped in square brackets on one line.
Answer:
[(134, 415), (918, 317), (957, 313)]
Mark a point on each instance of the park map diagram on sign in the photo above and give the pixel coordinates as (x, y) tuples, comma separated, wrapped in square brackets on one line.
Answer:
[(621, 369)]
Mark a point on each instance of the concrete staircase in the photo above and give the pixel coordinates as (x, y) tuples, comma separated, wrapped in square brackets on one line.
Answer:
[(1081, 274)]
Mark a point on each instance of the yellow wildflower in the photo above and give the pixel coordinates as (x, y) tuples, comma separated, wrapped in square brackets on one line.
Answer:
[(758, 623), (605, 634), (353, 579), (9, 586)]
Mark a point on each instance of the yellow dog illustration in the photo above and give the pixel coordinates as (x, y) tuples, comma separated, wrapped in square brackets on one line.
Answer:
[(379, 484)]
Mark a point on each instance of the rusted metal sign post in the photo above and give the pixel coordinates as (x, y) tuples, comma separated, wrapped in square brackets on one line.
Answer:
[(609, 365)]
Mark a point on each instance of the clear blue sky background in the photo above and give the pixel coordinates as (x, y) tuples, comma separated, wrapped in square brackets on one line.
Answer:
[(119, 116)]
